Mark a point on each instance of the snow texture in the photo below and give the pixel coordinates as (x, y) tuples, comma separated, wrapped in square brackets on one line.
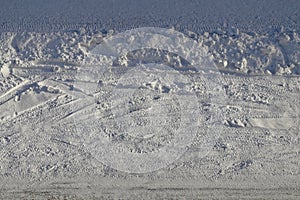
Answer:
[(124, 99)]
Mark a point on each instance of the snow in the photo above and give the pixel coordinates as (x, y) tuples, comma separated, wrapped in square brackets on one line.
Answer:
[(149, 99)]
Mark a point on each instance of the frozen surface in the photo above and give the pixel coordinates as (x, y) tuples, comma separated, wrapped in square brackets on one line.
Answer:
[(124, 14), (86, 109)]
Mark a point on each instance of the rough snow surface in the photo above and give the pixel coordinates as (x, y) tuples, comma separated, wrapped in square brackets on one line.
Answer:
[(160, 105)]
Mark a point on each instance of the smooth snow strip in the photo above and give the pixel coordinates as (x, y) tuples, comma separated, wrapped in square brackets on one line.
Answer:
[(272, 123)]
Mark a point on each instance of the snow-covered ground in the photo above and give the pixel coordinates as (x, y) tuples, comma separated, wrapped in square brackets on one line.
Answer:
[(149, 99)]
